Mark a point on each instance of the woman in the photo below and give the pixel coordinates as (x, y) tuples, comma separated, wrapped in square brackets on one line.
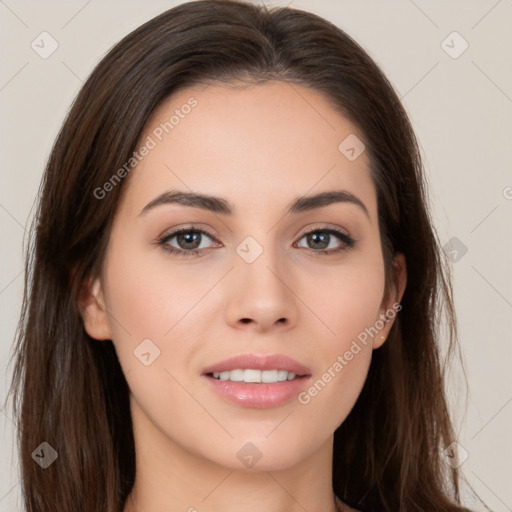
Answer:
[(234, 289)]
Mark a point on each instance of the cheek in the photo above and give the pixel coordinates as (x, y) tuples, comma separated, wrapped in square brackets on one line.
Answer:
[(348, 304), (152, 298), (332, 394), (148, 297), (346, 300), (154, 302)]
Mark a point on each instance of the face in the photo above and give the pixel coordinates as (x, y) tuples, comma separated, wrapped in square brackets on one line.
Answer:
[(288, 289)]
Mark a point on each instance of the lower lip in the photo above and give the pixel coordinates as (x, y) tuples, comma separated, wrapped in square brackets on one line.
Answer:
[(258, 396)]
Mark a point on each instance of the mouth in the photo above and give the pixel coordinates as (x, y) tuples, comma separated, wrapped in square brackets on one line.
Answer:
[(257, 381)]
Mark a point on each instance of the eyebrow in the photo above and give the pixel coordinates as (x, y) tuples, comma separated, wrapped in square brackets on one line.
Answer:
[(221, 205)]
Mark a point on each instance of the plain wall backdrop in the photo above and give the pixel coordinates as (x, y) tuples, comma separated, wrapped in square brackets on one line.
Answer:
[(451, 63)]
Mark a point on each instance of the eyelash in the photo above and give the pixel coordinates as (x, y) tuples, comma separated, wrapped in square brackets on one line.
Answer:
[(347, 241)]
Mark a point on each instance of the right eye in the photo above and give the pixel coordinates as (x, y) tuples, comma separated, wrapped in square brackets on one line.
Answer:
[(190, 240)]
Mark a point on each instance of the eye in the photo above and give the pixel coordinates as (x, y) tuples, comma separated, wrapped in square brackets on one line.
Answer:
[(322, 238), (189, 241)]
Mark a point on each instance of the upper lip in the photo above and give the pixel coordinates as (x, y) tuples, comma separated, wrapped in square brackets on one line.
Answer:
[(259, 362)]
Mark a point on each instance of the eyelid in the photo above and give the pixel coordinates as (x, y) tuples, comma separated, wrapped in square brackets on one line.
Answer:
[(317, 226), (192, 227)]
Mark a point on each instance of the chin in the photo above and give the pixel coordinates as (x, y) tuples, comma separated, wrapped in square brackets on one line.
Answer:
[(261, 454)]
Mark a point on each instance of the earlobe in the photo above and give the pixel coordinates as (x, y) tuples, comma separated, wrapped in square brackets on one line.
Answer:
[(390, 306), (93, 310)]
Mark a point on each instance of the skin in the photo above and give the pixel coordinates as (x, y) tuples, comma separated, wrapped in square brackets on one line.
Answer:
[(259, 147)]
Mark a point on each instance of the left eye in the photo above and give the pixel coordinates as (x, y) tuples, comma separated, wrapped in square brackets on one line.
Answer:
[(322, 238)]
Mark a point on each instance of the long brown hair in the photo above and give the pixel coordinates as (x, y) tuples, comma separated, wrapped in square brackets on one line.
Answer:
[(70, 391)]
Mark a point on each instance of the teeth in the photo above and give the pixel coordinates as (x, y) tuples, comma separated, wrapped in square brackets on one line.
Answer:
[(269, 376), (249, 375), (235, 375), (282, 375), (252, 375)]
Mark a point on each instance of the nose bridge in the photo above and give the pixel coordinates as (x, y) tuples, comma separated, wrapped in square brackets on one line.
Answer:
[(260, 259), (260, 291)]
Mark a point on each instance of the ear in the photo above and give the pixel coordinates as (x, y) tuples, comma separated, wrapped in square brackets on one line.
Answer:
[(92, 307), (391, 300)]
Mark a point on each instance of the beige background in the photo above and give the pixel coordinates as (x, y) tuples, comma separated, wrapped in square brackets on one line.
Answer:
[(461, 109)]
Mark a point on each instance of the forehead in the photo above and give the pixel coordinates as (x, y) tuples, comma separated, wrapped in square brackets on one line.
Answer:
[(256, 145)]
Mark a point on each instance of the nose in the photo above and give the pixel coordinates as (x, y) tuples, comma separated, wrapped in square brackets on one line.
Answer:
[(261, 295)]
